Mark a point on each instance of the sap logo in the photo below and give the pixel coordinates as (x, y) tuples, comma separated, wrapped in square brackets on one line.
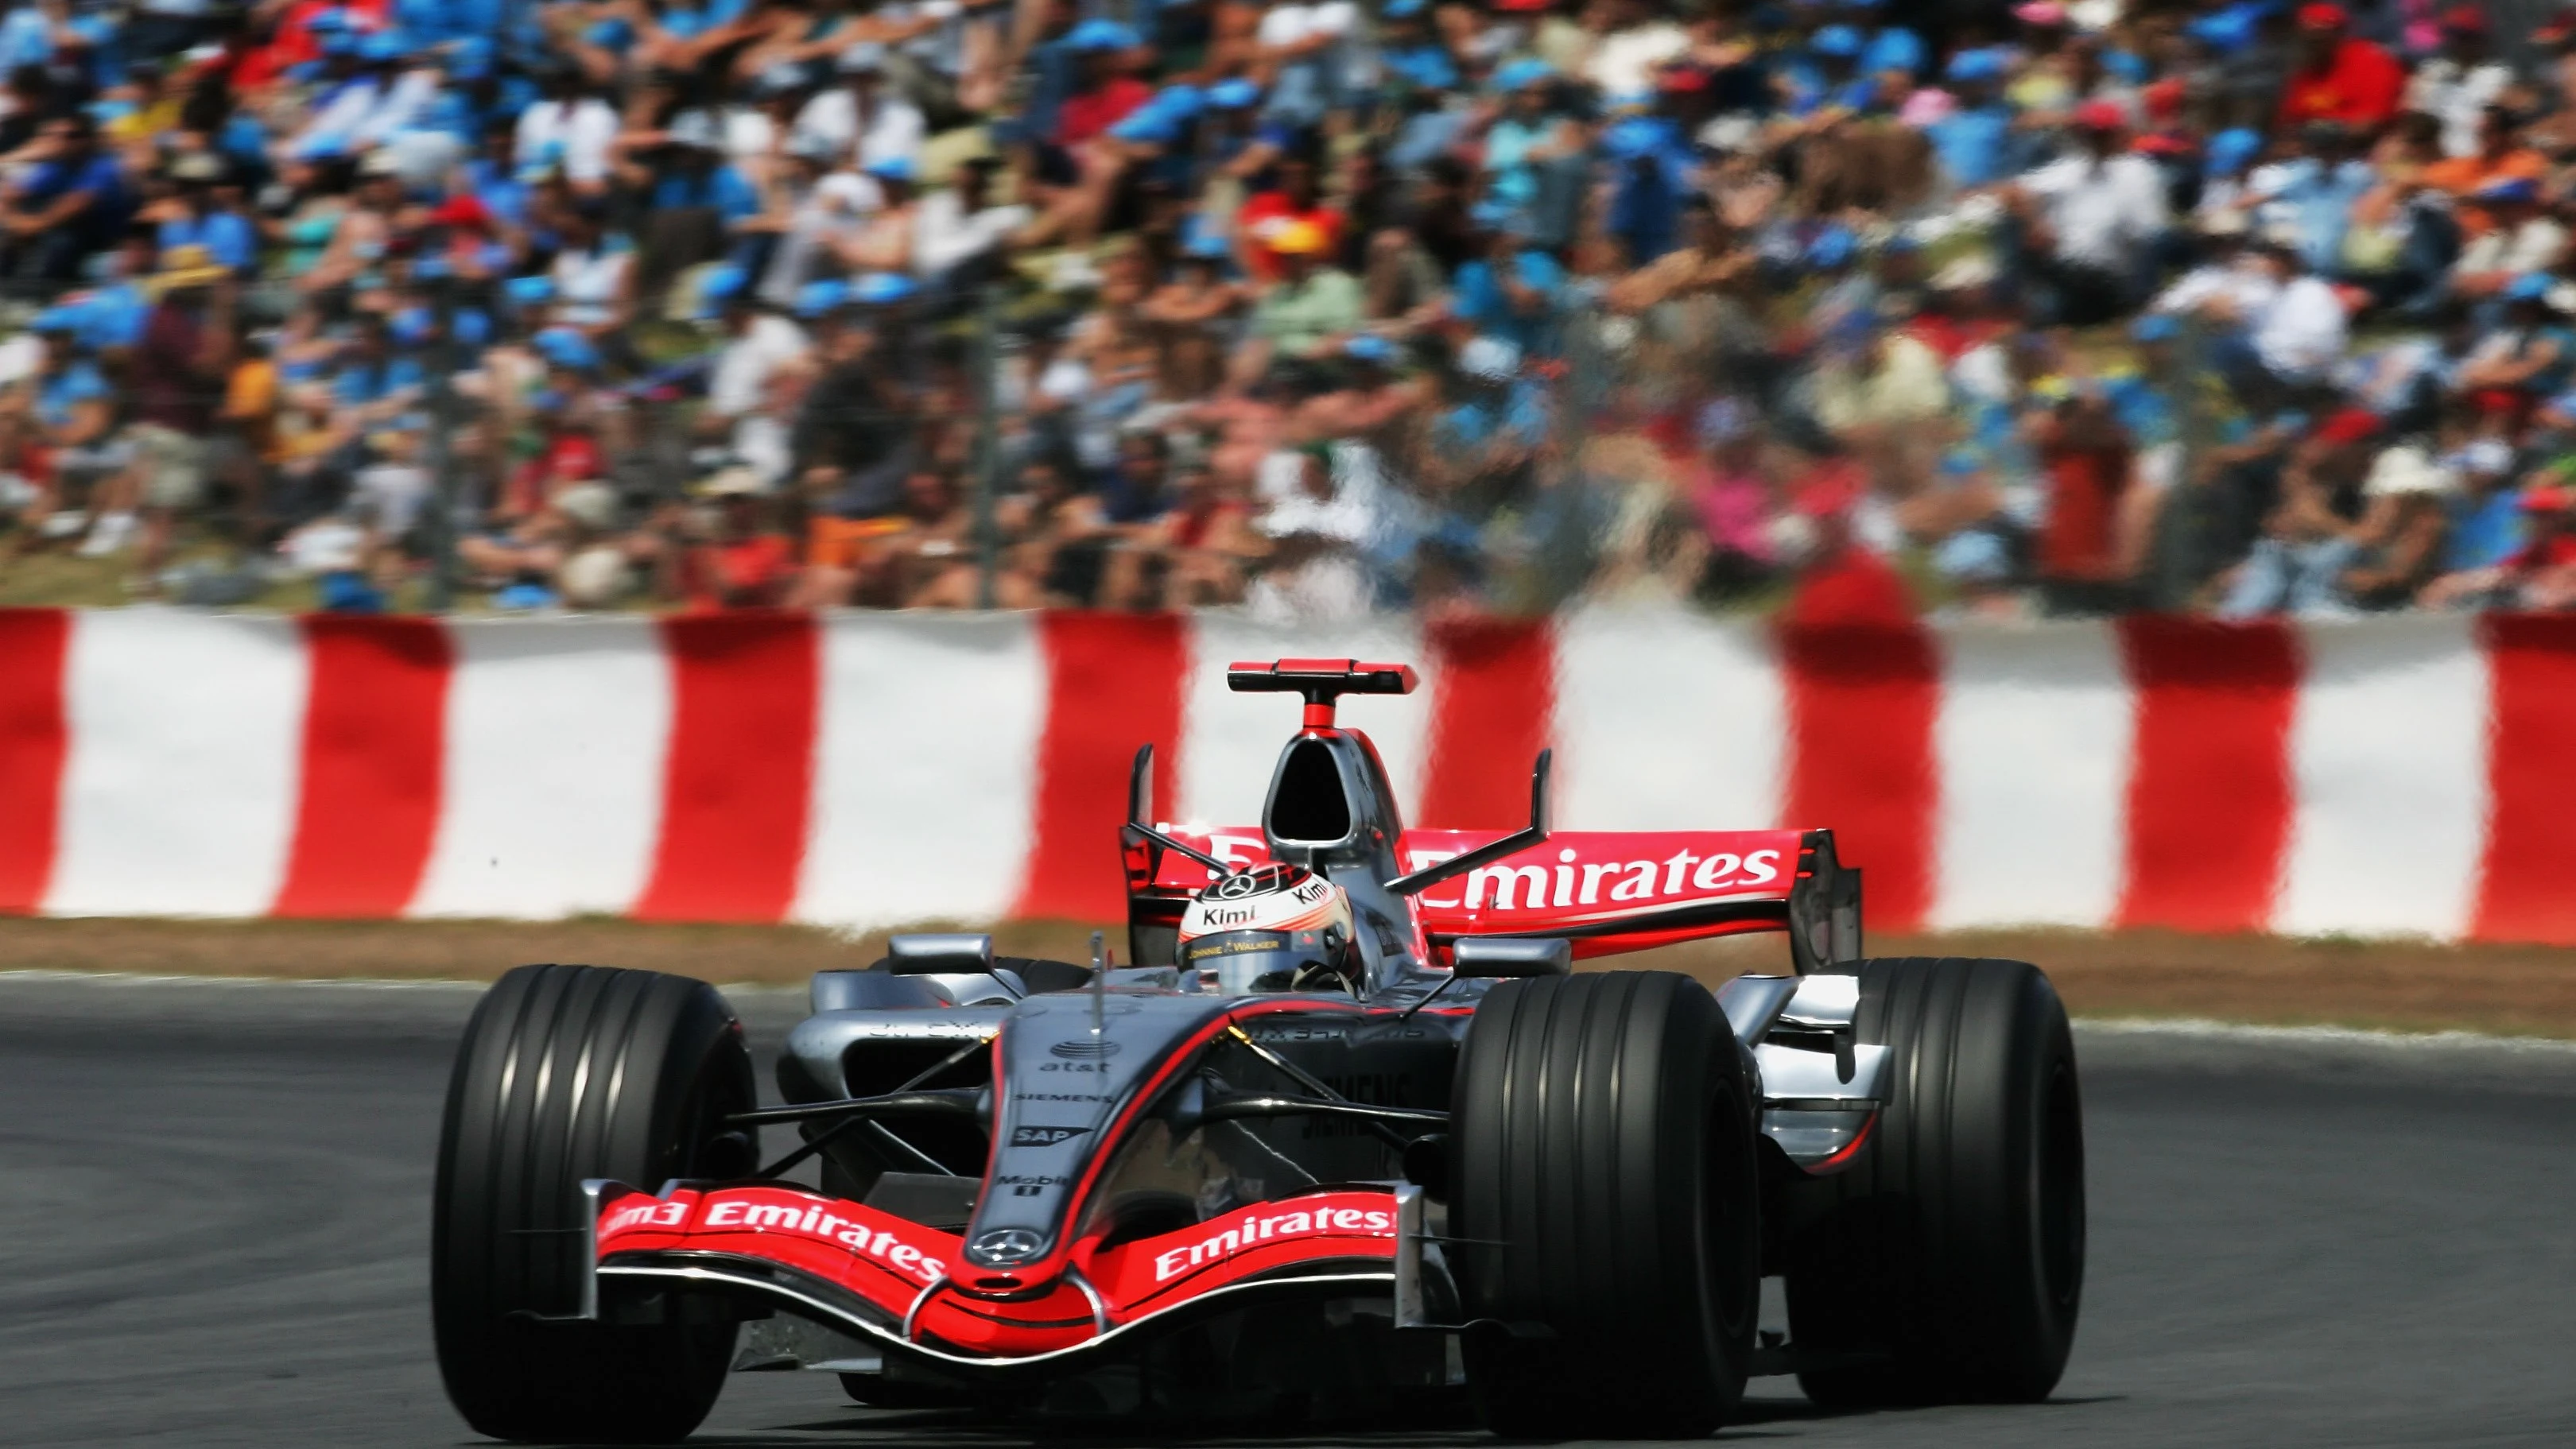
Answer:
[(1585, 883), (1044, 1136)]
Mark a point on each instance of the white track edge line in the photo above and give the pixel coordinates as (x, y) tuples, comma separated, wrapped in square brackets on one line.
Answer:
[(2206, 1028), (2183, 1026)]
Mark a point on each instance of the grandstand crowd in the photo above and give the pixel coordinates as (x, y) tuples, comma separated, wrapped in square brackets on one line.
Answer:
[(1323, 306)]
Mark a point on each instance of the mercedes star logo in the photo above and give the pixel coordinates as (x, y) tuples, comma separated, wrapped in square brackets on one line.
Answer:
[(1003, 1247)]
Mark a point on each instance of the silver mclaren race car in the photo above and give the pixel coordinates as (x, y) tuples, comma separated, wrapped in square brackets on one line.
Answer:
[(1344, 1136)]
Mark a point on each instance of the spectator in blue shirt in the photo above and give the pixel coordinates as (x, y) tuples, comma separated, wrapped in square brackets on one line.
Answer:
[(373, 377), (70, 205), (1886, 47), (1974, 141), (196, 217), (1511, 292), (1409, 49), (698, 201)]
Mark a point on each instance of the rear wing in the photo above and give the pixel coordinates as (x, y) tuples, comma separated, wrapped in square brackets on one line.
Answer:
[(1604, 891)]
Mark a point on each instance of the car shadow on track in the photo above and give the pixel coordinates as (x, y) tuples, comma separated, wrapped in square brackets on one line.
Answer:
[(1762, 1418)]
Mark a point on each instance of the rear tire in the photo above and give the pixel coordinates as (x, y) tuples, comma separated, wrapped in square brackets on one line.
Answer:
[(1604, 1193), (566, 1073), (1946, 1262)]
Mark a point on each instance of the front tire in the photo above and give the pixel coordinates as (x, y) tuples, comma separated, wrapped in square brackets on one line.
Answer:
[(567, 1073), (1603, 1203), (1946, 1262)]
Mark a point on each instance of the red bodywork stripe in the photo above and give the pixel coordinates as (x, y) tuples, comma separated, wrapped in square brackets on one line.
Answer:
[(35, 740), (739, 779), (375, 729), (890, 1262), (2210, 798), (1114, 681), (1862, 700), (1493, 697), (2523, 890)]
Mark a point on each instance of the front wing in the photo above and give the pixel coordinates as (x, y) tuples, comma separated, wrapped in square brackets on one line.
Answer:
[(887, 1280)]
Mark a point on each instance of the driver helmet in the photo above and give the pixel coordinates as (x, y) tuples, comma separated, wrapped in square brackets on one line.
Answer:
[(1270, 927)]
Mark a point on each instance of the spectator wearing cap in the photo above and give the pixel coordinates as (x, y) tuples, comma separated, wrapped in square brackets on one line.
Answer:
[(2531, 356), (960, 231), (699, 200), (364, 230), (756, 344), (2484, 518), (860, 120), (175, 380), (2309, 539), (1105, 89), (2085, 464), (1301, 50), (1534, 153), (73, 412), (1973, 139), (374, 379), (921, 557), (2299, 337), (2313, 192), (1825, 74), (883, 239), (1410, 51), (2521, 239), (2457, 84), (2501, 156), (2540, 574), (1312, 302), (852, 443), (1511, 291), (2398, 541), (730, 552), (1293, 195), (568, 132), (205, 212), (2338, 76), (593, 272), (1193, 554), (2092, 220), (1630, 42)]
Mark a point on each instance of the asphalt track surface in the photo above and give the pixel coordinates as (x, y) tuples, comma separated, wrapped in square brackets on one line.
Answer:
[(214, 1223)]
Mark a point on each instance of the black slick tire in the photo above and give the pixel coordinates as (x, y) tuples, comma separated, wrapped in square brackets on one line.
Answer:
[(567, 1073), (1603, 1206), (1945, 1263)]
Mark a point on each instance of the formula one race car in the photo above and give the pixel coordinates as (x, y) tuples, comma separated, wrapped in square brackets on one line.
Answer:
[(1348, 1133)]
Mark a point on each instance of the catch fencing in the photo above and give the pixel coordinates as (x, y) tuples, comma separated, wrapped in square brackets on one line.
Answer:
[(2406, 776)]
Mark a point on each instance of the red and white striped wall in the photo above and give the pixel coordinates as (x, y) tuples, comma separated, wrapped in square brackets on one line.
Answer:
[(2400, 776)]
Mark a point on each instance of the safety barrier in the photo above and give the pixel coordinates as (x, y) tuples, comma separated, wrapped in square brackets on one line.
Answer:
[(2393, 776)]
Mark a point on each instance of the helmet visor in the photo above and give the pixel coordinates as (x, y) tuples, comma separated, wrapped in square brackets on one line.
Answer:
[(1240, 962)]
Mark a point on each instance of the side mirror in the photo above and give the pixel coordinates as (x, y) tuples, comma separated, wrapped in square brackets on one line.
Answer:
[(1532, 834), (1505, 956), (939, 953)]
